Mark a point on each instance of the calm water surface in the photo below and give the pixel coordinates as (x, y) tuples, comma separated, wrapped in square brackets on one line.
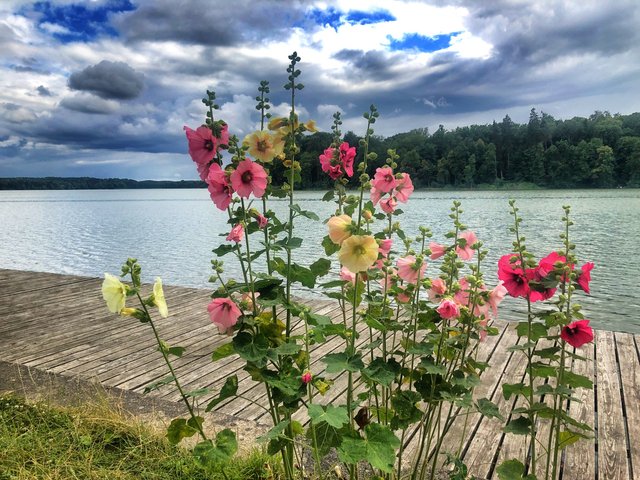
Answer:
[(172, 232)]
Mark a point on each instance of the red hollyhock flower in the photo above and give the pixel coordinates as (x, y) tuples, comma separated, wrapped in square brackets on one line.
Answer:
[(577, 333), (585, 276), (511, 273), (548, 264)]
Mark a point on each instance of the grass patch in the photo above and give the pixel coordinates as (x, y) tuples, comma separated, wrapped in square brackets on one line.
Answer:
[(97, 442)]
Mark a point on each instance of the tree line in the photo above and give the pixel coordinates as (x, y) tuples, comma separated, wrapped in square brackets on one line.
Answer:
[(601, 151), (596, 152)]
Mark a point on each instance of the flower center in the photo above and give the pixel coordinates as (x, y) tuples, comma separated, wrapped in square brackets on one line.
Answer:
[(247, 177), (388, 178), (208, 144), (262, 145)]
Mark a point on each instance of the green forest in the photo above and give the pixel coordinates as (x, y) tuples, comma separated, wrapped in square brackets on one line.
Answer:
[(602, 151)]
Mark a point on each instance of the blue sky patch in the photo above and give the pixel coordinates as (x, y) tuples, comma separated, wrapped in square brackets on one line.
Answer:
[(79, 22), (414, 41), (367, 18), (330, 16)]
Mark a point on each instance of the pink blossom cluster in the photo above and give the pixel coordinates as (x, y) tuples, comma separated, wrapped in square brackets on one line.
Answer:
[(338, 162), (388, 190)]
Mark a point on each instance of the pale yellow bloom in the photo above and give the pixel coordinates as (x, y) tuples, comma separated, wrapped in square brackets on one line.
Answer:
[(159, 300), (114, 293), (264, 146), (277, 123), (358, 252), (311, 126), (339, 228)]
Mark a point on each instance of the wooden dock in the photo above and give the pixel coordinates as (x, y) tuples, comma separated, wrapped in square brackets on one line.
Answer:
[(59, 324)]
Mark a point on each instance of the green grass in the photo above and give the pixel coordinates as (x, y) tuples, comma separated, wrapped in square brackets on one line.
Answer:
[(97, 442)]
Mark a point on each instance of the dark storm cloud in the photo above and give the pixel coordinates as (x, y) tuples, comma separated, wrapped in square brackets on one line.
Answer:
[(44, 91), (206, 23), (115, 80), (374, 64), (88, 104)]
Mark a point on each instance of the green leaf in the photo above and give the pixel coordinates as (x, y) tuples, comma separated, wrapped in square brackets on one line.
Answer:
[(305, 213), (176, 351), (518, 426), (334, 416), (178, 430), (509, 389), (315, 319), (549, 353), (329, 247), (251, 348), (295, 242), (326, 436), (381, 372), (222, 351), (160, 383), (567, 438), (378, 448), (543, 371), (575, 380), (287, 385), (320, 267), (224, 249), (229, 389), (288, 348), (199, 392), (405, 410), (328, 196), (489, 409), (274, 432), (225, 447), (338, 362), (431, 368), (538, 330), (512, 470)]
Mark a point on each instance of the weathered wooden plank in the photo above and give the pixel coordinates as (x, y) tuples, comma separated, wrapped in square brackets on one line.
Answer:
[(580, 458), (629, 363), (612, 441)]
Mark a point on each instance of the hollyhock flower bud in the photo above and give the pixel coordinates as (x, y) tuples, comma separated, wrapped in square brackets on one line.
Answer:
[(448, 309), (306, 377), (262, 221), (236, 234), (339, 228), (159, 300), (577, 333)]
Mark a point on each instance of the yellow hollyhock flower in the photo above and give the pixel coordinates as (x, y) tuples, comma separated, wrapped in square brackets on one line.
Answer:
[(114, 293), (159, 300), (339, 229), (358, 252), (264, 146)]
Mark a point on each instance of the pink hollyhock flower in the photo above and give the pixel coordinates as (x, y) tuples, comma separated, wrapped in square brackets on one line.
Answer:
[(404, 188), (496, 296), (383, 180), (437, 250), (386, 282), (438, 288), (202, 144), (577, 333), (236, 234), (513, 276), (375, 195), (448, 309), (409, 270), (306, 377), (219, 188), (482, 329), (347, 275), (462, 296), (249, 177), (224, 313), (388, 205), (585, 277), (223, 138), (402, 295), (385, 246), (466, 252), (262, 221), (547, 265), (347, 157)]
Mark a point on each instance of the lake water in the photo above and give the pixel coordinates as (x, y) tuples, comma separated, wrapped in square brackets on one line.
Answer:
[(172, 232)]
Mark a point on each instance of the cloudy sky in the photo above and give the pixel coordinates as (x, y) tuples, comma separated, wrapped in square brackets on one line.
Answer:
[(103, 88)]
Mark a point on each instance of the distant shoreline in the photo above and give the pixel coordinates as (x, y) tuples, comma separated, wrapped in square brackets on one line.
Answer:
[(90, 183)]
